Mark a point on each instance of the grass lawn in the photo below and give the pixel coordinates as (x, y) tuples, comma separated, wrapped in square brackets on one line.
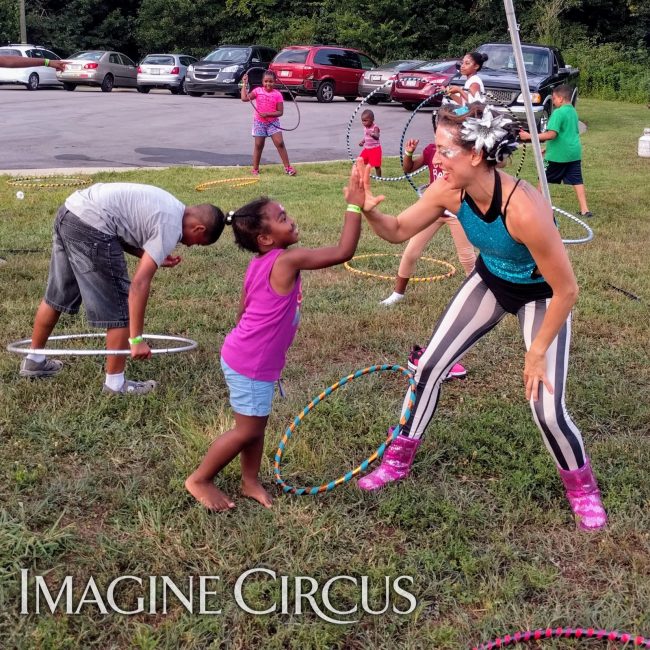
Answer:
[(91, 486)]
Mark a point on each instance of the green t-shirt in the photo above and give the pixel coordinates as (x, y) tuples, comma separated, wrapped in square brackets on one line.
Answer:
[(566, 146)]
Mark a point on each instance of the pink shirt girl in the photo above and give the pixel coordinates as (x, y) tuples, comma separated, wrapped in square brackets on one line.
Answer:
[(257, 346), (265, 102)]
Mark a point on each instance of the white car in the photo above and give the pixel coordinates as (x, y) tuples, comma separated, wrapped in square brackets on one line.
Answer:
[(31, 78), (164, 71)]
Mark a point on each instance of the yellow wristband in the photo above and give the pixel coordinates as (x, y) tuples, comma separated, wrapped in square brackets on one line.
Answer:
[(46, 62), (353, 208), (408, 153), (135, 340)]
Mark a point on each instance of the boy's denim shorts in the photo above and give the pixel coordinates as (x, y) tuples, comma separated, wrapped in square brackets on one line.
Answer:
[(87, 265), (265, 129), (248, 396)]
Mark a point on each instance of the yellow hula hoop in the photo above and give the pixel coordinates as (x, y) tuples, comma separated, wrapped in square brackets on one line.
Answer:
[(234, 182), (36, 181), (379, 276)]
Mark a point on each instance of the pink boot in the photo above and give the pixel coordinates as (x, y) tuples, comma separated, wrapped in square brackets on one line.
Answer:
[(584, 497), (395, 464)]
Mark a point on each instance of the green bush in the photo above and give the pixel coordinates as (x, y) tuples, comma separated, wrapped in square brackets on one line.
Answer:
[(610, 72)]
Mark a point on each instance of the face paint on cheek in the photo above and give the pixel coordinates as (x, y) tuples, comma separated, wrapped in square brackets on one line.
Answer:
[(449, 152)]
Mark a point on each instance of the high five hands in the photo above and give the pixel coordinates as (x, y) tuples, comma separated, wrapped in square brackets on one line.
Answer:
[(359, 187)]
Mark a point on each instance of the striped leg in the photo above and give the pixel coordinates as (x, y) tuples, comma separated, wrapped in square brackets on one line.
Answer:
[(560, 434), (472, 313)]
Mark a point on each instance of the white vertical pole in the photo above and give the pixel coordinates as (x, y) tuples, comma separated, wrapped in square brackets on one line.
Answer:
[(513, 28)]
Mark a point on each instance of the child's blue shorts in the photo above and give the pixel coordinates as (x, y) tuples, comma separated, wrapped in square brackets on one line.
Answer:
[(265, 129), (569, 173), (248, 396)]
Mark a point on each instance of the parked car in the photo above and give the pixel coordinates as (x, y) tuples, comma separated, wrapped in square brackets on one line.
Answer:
[(163, 71), (323, 71), (222, 70), (545, 69), (31, 78), (101, 68), (413, 86), (373, 79)]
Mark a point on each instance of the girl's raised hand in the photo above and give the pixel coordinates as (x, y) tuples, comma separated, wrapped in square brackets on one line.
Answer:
[(411, 145), (355, 192)]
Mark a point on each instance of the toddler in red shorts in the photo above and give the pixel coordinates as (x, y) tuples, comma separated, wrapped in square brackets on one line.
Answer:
[(371, 152)]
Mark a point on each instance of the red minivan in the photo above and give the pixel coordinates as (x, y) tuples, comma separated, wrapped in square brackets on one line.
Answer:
[(323, 71)]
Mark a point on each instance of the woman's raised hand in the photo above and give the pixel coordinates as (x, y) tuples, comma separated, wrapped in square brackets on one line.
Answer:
[(363, 171)]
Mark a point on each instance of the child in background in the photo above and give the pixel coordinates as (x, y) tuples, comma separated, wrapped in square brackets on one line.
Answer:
[(473, 89), (254, 352), (563, 157), (266, 123), (419, 242), (371, 152)]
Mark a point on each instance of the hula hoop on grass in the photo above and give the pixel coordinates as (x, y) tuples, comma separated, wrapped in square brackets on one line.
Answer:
[(363, 102), (17, 346), (232, 183), (565, 633), (379, 452), (287, 90), (583, 240), (379, 276), (42, 181)]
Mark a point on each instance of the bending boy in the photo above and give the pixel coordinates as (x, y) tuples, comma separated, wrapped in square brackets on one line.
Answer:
[(92, 230)]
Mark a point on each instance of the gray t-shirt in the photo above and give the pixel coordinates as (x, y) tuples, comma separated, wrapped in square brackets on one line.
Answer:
[(142, 216)]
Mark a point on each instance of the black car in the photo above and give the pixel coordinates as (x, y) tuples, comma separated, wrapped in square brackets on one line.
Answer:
[(222, 70)]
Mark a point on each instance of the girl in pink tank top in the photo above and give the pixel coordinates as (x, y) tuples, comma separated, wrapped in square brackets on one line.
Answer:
[(254, 352)]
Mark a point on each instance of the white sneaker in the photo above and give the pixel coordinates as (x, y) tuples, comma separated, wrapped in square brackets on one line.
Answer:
[(392, 299)]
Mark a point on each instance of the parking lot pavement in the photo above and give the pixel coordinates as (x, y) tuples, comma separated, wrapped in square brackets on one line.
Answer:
[(49, 129)]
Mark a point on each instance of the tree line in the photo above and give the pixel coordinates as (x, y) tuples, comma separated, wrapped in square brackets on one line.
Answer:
[(385, 29)]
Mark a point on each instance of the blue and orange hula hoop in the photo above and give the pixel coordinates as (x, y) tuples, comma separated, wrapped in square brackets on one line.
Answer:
[(362, 467)]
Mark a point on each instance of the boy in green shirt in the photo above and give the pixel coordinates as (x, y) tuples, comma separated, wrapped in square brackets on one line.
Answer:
[(563, 151)]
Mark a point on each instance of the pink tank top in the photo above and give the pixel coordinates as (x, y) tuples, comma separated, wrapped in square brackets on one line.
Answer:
[(257, 346), (368, 141)]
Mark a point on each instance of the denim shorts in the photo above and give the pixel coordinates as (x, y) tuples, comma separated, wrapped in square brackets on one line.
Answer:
[(87, 265), (569, 173), (248, 396), (265, 129)]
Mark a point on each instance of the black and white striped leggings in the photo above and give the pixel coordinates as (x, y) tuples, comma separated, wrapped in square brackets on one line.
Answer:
[(472, 313)]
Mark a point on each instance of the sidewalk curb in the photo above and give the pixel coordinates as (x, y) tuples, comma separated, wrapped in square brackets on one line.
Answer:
[(70, 171)]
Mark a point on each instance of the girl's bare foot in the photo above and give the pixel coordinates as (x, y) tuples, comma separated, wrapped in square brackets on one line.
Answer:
[(208, 495), (254, 490)]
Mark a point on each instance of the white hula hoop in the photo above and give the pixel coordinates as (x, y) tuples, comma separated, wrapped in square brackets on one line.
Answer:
[(17, 346), (590, 233)]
